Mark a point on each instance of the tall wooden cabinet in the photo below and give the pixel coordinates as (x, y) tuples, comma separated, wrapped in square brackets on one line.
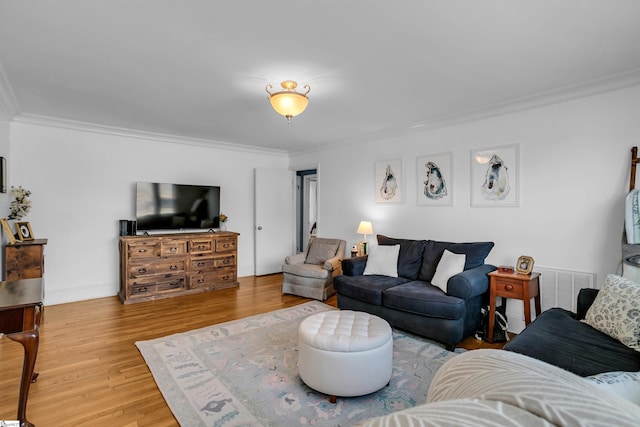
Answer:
[(24, 260), (166, 265)]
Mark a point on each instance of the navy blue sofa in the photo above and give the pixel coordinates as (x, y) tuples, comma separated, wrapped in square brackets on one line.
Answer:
[(559, 338), (410, 302)]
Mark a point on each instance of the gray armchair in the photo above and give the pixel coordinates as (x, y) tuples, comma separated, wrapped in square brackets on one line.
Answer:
[(310, 274)]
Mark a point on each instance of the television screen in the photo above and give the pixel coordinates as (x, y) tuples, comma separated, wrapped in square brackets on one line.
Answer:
[(176, 207)]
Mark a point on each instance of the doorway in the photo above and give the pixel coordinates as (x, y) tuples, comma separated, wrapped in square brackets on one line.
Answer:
[(306, 207)]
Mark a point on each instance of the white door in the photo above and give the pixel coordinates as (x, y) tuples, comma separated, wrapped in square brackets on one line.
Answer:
[(274, 226)]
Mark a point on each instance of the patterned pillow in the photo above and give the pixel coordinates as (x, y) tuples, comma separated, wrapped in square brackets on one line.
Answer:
[(625, 384), (616, 311)]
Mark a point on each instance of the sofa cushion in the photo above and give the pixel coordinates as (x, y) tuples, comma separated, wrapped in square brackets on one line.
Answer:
[(320, 251), (556, 337), (425, 299), (449, 265), (410, 257), (615, 311), (476, 253), (308, 270), (382, 260), (366, 288)]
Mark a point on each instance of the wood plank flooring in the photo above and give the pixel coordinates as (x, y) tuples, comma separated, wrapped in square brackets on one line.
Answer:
[(91, 373)]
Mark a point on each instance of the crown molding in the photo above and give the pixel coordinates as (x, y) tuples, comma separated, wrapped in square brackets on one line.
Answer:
[(540, 99), (55, 122), (8, 101)]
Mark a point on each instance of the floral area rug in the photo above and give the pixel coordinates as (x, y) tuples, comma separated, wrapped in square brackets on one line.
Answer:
[(244, 373)]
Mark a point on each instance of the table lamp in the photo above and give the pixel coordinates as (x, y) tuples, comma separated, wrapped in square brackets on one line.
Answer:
[(365, 228)]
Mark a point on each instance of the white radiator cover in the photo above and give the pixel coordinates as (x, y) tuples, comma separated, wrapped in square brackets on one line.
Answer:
[(558, 288)]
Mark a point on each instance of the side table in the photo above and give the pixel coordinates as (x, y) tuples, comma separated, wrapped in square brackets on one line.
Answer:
[(20, 315), (516, 286)]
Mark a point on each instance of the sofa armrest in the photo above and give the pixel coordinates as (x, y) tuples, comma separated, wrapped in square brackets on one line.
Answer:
[(333, 264), (586, 296), (470, 283), (295, 259), (354, 266)]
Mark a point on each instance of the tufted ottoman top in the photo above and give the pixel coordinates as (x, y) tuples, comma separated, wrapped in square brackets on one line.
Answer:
[(344, 330)]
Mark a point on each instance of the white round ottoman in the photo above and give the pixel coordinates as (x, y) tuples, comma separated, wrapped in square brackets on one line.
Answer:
[(345, 353)]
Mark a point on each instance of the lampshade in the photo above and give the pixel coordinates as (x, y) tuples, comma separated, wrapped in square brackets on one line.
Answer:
[(365, 228), (288, 102)]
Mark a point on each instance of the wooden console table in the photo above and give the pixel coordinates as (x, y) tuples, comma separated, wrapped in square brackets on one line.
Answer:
[(20, 310)]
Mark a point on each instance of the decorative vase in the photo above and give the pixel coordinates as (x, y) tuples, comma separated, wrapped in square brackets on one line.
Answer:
[(223, 226)]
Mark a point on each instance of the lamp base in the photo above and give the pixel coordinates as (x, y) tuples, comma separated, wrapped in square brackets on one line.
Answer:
[(362, 248)]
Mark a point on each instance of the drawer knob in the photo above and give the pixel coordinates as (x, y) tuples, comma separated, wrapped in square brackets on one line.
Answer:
[(173, 267), (226, 261), (173, 249), (141, 251), (509, 287), (226, 245), (200, 264), (142, 270)]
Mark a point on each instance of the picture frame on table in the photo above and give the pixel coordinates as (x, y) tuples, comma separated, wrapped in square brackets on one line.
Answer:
[(434, 179), (524, 265), (495, 176), (7, 230), (389, 181), (24, 231)]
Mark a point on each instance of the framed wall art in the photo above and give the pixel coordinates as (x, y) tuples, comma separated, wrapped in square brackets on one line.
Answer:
[(3, 175), (495, 176), (389, 181), (24, 231), (434, 179)]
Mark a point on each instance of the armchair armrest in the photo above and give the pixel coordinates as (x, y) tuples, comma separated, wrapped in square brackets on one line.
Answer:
[(470, 283), (354, 266), (295, 259), (333, 264)]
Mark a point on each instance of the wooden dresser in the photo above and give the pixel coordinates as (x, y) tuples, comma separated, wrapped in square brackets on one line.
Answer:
[(167, 265), (24, 260)]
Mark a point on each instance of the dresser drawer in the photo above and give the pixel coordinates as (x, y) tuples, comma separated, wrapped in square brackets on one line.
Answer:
[(146, 288), (163, 267), (225, 245), (201, 265), (173, 247), (145, 249), (201, 246), (212, 280)]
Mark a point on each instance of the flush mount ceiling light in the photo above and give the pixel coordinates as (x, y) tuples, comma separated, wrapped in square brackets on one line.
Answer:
[(288, 102)]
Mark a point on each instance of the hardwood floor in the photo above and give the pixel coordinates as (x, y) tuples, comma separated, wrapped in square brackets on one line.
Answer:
[(91, 373)]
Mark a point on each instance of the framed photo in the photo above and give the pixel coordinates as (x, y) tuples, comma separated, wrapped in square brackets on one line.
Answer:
[(389, 181), (7, 230), (524, 265), (434, 179), (495, 176), (24, 231)]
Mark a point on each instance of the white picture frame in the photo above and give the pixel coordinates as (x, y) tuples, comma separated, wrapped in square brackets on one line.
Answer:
[(495, 176), (389, 181), (434, 179)]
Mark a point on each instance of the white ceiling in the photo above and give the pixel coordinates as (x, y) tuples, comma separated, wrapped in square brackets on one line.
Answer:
[(198, 68)]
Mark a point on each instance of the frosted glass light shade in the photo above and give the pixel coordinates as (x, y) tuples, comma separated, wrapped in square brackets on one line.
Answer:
[(288, 102)]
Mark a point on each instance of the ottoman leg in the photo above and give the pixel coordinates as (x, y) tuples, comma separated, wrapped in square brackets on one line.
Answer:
[(332, 399)]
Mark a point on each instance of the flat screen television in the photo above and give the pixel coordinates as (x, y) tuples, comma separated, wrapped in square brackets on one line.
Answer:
[(176, 206)]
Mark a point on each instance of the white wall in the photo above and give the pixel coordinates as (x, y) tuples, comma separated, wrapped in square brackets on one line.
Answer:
[(574, 178), (4, 152), (83, 182)]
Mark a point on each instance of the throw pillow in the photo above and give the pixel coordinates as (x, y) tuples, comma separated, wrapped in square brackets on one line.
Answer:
[(319, 252), (615, 311), (410, 258), (382, 260), (450, 264), (625, 384)]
